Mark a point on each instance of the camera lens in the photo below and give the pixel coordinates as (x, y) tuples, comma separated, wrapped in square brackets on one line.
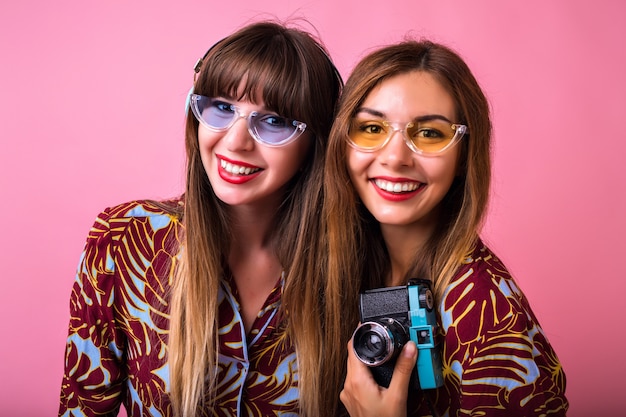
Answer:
[(375, 343)]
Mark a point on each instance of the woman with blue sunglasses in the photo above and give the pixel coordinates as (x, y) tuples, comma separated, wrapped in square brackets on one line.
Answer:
[(211, 304)]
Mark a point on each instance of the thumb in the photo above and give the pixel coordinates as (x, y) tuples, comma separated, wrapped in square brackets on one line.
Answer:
[(404, 368)]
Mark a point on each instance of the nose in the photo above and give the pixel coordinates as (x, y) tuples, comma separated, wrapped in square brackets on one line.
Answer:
[(237, 137), (396, 152)]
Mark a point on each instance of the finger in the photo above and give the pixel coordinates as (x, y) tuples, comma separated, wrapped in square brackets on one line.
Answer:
[(351, 356), (404, 369), (361, 395), (357, 369)]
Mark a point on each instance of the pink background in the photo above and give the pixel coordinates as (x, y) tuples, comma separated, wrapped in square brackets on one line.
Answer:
[(91, 114)]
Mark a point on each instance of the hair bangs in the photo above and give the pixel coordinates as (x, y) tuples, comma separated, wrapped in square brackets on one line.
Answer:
[(271, 73)]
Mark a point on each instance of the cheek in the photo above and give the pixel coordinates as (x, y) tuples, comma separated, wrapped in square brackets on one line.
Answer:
[(207, 141), (356, 161), (442, 169), (206, 138), (288, 159)]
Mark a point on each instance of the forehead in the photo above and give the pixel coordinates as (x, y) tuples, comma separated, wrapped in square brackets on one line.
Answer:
[(245, 84), (245, 92), (410, 95)]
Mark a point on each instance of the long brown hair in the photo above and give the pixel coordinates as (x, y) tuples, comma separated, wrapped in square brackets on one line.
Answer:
[(288, 69), (357, 256)]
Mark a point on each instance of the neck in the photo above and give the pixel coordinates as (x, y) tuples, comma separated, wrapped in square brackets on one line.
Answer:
[(403, 243), (252, 260), (251, 226)]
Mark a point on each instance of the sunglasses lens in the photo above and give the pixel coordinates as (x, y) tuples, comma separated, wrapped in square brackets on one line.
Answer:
[(431, 136), (274, 130), (215, 114), (368, 134)]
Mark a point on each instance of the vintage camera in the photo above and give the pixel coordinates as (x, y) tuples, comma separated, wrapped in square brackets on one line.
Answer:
[(392, 316)]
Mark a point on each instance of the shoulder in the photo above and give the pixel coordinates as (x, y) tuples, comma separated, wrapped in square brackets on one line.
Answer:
[(481, 272), (130, 246), (483, 291), (157, 213), (142, 209), (493, 342), (134, 226)]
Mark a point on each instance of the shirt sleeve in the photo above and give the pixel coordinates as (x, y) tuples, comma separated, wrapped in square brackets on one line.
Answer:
[(94, 377), (497, 359)]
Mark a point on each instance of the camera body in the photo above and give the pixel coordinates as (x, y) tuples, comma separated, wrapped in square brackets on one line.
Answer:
[(392, 316)]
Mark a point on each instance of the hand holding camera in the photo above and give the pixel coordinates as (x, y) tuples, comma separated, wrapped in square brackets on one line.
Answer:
[(392, 316)]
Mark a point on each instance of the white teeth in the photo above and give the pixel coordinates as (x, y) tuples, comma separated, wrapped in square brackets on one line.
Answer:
[(237, 169), (396, 187)]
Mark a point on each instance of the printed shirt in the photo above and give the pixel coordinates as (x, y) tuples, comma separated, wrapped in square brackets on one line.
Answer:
[(117, 345), (497, 361)]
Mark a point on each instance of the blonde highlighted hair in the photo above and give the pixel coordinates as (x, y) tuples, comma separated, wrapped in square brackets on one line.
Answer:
[(289, 70), (357, 256)]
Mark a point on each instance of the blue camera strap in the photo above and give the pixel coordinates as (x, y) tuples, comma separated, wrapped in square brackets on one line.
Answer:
[(421, 331)]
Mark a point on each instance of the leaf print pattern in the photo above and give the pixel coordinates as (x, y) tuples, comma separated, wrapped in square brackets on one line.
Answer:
[(497, 360), (117, 343)]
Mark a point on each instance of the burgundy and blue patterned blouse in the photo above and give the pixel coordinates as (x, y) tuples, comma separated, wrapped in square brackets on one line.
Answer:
[(117, 345), (497, 361)]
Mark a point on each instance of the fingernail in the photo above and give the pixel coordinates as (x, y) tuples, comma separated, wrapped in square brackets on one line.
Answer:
[(410, 350)]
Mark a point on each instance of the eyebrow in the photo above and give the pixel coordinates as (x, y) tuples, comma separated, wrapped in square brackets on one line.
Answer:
[(237, 102), (381, 115)]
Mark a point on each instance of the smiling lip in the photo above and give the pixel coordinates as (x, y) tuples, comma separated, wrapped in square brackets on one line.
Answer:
[(236, 172), (397, 189)]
